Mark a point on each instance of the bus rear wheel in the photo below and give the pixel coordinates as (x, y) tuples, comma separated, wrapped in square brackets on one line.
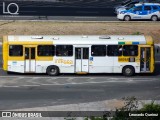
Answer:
[(128, 71), (52, 70)]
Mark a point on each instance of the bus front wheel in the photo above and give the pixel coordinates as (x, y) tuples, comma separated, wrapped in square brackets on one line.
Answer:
[(52, 70), (128, 71)]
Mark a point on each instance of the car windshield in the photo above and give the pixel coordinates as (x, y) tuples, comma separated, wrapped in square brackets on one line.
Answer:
[(131, 6), (125, 2), (131, 9)]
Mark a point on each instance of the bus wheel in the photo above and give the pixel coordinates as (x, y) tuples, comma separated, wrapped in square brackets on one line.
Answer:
[(52, 70), (128, 71)]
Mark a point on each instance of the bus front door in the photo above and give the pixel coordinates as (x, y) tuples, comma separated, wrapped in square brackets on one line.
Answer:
[(145, 59), (30, 59), (81, 60)]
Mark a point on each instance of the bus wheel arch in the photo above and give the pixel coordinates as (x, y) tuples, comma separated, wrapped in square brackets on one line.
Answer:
[(52, 70), (128, 70)]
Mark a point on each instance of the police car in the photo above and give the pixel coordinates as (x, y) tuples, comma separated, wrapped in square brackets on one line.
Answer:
[(141, 11), (123, 7)]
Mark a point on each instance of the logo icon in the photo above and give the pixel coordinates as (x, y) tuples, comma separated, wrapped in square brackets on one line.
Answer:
[(11, 8), (6, 114)]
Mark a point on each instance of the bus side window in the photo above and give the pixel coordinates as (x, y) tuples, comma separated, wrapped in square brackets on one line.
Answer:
[(64, 50), (157, 49), (15, 50), (46, 50), (98, 50), (114, 50), (130, 50)]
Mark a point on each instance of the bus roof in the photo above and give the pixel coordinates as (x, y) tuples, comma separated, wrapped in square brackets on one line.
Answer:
[(78, 39)]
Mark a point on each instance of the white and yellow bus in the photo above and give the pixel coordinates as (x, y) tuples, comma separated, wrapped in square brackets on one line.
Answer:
[(127, 54)]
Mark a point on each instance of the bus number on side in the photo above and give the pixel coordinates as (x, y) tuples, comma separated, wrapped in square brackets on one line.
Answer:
[(123, 59), (63, 61)]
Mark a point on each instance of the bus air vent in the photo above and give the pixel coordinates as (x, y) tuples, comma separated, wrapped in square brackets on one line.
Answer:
[(37, 37), (104, 37), (55, 38), (84, 36), (120, 38)]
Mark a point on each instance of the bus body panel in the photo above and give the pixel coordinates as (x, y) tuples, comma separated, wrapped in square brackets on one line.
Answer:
[(16, 66), (5, 52), (31, 62), (101, 65)]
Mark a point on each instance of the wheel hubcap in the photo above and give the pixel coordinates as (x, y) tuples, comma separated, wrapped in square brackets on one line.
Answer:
[(53, 70), (128, 71), (127, 18), (154, 18)]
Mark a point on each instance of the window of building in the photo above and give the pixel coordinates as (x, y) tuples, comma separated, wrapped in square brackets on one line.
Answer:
[(64, 50), (98, 50), (130, 50), (46, 50), (15, 50), (114, 50)]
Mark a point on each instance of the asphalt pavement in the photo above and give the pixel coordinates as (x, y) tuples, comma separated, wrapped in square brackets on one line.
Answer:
[(28, 92), (69, 10)]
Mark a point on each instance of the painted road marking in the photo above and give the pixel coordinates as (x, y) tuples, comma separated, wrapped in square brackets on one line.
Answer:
[(73, 77), (85, 17), (57, 84), (52, 82)]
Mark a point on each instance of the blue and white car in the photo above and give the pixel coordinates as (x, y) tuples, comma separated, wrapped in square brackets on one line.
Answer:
[(127, 4), (141, 11), (124, 7)]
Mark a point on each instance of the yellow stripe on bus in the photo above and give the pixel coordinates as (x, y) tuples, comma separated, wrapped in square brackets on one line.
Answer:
[(44, 58), (5, 52), (149, 40)]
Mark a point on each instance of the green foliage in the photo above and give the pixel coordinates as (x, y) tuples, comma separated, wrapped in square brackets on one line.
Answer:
[(137, 33), (131, 104), (151, 107), (96, 118), (70, 118)]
